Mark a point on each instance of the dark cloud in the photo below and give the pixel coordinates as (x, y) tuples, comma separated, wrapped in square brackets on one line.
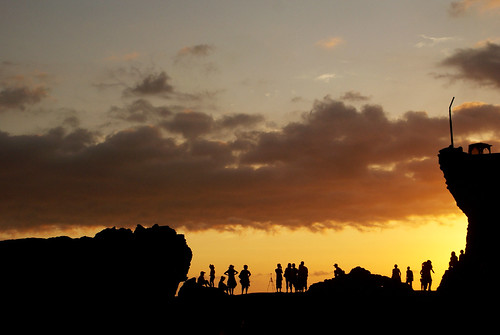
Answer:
[(237, 120), (194, 124), (354, 96), (336, 166), (459, 8), (190, 124), (481, 65), (152, 84), (20, 97)]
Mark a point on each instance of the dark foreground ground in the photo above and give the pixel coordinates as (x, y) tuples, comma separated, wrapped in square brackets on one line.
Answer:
[(302, 313), (257, 313)]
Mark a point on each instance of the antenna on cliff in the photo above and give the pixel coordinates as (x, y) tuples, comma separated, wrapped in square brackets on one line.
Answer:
[(451, 125)]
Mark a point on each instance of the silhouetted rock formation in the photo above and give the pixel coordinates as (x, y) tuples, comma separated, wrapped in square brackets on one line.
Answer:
[(147, 263), (473, 179), (190, 290), (359, 282)]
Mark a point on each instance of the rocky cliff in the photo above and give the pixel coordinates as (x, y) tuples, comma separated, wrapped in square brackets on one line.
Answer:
[(115, 263), (474, 183)]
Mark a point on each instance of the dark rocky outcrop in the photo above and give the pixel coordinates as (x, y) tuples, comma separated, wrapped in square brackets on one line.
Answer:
[(474, 182), (359, 282), (148, 263)]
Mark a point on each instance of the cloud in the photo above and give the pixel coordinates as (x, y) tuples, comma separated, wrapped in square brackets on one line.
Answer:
[(152, 84), (429, 41), (326, 77), (20, 96), (336, 166), (193, 124), (190, 57), (140, 111), (199, 50), (458, 8), (190, 124), (21, 86), (354, 96), (480, 65), (330, 43)]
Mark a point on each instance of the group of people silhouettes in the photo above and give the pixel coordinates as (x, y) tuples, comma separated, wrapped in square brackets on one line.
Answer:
[(425, 275), (295, 278), (244, 277)]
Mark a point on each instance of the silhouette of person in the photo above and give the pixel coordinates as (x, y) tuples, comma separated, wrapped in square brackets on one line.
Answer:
[(338, 272), (453, 260), (245, 279), (222, 286), (279, 277), (409, 277), (425, 274), (293, 277), (201, 279), (302, 277), (461, 256), (212, 275), (396, 274), (288, 277), (231, 280)]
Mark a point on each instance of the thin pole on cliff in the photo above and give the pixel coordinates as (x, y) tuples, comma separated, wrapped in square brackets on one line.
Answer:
[(451, 126)]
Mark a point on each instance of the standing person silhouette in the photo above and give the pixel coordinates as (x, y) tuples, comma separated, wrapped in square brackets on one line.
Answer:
[(453, 260), (396, 274), (212, 275), (245, 279), (302, 274), (288, 276), (461, 256), (293, 277), (279, 277), (426, 277), (409, 277), (231, 280)]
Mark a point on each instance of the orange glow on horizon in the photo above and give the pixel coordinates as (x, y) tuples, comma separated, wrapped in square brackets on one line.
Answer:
[(376, 250)]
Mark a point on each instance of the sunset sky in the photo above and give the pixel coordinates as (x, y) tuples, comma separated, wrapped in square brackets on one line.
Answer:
[(265, 131)]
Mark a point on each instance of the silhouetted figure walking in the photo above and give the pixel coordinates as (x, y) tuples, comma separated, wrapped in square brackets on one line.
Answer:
[(222, 286), (453, 260), (409, 277), (279, 277), (212, 275), (425, 274), (302, 274), (338, 272), (288, 277), (396, 274), (231, 279), (245, 279), (201, 279)]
